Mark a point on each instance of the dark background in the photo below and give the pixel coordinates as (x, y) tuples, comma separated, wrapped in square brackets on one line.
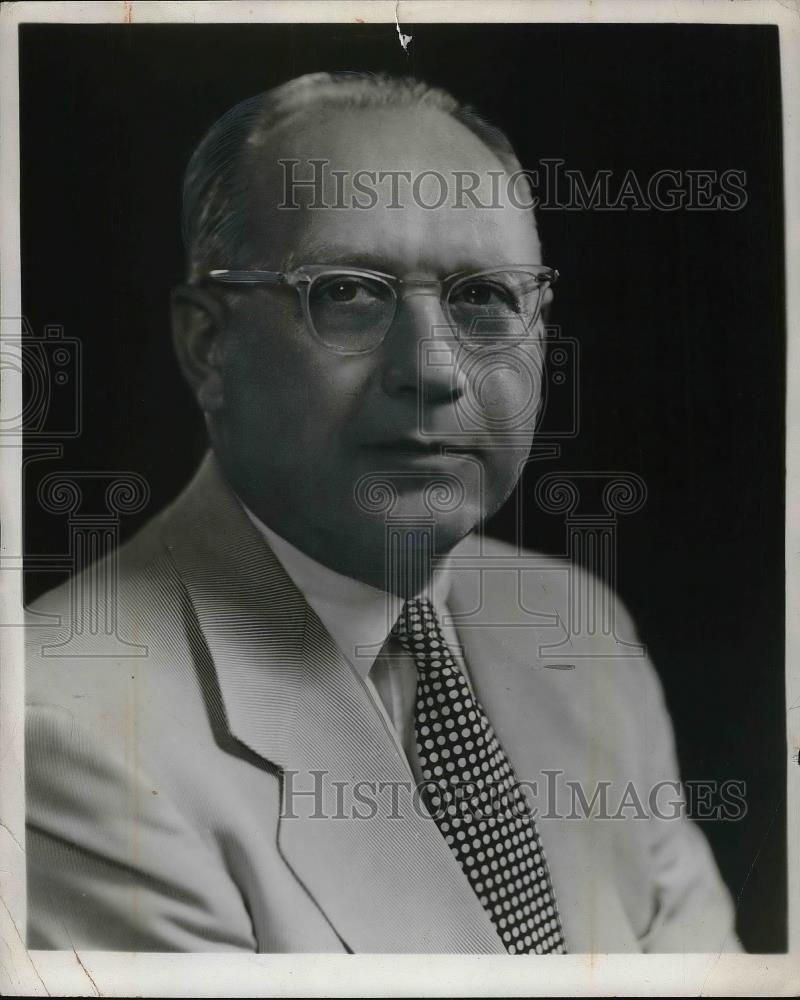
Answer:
[(680, 319)]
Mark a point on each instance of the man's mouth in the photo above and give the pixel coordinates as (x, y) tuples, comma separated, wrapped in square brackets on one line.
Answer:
[(422, 448), (421, 445)]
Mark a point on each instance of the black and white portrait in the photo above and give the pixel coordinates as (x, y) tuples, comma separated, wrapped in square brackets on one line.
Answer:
[(400, 452)]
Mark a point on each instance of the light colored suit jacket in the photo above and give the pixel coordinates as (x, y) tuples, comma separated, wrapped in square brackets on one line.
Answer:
[(156, 770)]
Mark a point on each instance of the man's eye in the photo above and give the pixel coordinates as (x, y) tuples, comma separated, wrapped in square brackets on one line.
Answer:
[(482, 293), (342, 291), (346, 291)]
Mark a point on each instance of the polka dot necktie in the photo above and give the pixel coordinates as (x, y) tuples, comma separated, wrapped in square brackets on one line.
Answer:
[(471, 791)]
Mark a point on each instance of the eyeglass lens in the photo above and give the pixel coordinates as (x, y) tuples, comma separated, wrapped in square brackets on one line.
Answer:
[(353, 312)]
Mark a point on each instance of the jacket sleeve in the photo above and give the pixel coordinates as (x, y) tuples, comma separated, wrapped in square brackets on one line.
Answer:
[(694, 911), (111, 863)]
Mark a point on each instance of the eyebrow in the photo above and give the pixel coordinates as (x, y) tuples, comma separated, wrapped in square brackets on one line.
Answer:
[(319, 252), (325, 253)]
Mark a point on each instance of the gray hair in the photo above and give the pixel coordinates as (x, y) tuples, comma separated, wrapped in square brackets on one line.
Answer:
[(216, 183)]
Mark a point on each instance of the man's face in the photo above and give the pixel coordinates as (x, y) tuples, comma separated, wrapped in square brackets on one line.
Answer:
[(312, 440)]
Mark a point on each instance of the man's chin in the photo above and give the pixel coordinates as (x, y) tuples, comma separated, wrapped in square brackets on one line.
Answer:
[(395, 551)]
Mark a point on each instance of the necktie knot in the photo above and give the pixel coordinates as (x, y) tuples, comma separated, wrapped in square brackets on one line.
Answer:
[(420, 632)]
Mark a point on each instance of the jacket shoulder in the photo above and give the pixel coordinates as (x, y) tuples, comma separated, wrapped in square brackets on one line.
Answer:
[(101, 626), (559, 615), (536, 583)]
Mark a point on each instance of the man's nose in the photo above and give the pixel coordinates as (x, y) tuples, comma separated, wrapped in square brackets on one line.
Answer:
[(421, 350)]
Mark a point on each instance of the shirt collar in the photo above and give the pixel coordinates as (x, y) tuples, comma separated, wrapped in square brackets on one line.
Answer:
[(357, 616)]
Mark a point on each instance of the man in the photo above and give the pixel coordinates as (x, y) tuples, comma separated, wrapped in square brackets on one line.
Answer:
[(341, 733)]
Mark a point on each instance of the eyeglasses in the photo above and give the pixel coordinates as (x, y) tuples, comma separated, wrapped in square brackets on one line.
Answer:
[(350, 310)]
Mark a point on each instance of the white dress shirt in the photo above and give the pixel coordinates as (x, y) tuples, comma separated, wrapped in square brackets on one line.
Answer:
[(359, 619)]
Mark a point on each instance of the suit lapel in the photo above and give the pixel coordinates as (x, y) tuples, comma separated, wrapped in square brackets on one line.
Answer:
[(387, 882)]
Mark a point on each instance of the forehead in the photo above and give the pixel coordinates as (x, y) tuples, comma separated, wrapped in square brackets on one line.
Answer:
[(393, 185)]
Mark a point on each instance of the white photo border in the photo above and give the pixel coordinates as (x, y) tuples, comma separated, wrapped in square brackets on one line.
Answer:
[(91, 973)]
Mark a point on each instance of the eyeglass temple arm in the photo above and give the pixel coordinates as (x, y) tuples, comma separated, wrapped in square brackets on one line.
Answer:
[(550, 278), (248, 277), (543, 283)]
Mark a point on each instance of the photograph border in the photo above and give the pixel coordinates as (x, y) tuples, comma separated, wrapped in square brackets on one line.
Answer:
[(87, 973)]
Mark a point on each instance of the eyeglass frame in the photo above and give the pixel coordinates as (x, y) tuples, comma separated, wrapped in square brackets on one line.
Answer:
[(302, 279)]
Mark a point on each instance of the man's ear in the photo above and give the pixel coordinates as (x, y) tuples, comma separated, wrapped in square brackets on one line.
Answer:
[(547, 299), (198, 322)]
